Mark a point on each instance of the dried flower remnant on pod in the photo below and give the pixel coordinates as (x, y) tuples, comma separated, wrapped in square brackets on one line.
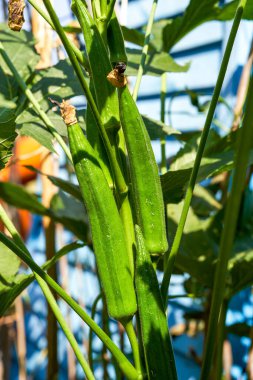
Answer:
[(16, 14)]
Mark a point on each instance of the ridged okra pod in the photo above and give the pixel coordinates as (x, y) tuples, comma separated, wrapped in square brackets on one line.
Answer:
[(100, 66), (106, 227), (158, 352), (116, 42), (145, 182)]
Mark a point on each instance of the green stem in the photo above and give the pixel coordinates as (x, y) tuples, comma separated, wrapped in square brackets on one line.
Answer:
[(124, 364), (163, 139), (34, 102), (134, 344), (79, 55), (217, 373), (93, 313), (48, 295), (119, 179), (229, 228), (204, 135), (144, 50)]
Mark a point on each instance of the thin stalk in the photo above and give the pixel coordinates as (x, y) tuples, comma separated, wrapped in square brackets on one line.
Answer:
[(200, 151), (93, 313), (144, 50), (53, 304), (119, 178), (79, 55), (134, 344), (48, 295), (163, 139), (34, 102), (124, 364), (218, 368), (228, 232)]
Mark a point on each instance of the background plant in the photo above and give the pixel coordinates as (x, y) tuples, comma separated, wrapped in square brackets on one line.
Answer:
[(217, 158)]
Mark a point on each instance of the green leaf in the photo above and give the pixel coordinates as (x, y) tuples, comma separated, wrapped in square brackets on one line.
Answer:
[(166, 33), (157, 129), (71, 213), (198, 251), (133, 36), (7, 130), (156, 63), (17, 196), (228, 11), (20, 49), (64, 209), (240, 266), (19, 282), (203, 202), (57, 82), (66, 186)]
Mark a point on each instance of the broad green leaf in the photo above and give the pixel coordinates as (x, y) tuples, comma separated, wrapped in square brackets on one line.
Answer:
[(195, 14), (8, 293), (174, 182), (20, 49), (240, 265), (157, 129), (156, 63), (64, 185), (203, 202), (7, 130), (134, 36), (64, 209), (228, 11), (71, 213), (17, 196), (29, 124), (198, 251), (57, 82)]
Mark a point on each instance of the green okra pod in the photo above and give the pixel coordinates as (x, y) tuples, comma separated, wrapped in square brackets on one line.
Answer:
[(100, 66), (145, 181), (96, 141), (106, 227), (158, 352), (116, 42)]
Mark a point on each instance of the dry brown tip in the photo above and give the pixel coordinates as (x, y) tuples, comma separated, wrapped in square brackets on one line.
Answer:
[(68, 113), (16, 14), (116, 79)]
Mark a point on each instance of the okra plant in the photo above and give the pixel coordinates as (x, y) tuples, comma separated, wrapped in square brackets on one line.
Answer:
[(129, 204)]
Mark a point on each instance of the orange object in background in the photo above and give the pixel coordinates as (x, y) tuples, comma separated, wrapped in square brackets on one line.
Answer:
[(27, 151)]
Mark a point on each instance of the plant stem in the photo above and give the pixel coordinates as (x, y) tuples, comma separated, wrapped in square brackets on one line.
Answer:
[(220, 342), (134, 344), (163, 139), (144, 50), (124, 364), (200, 151), (119, 178), (48, 295), (34, 102), (79, 55), (228, 232), (93, 313)]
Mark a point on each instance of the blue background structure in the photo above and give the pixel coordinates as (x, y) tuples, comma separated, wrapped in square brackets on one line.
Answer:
[(204, 48)]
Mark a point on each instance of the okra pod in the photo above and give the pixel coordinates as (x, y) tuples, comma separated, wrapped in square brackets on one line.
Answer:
[(108, 235), (158, 352), (100, 66), (116, 42), (145, 181)]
